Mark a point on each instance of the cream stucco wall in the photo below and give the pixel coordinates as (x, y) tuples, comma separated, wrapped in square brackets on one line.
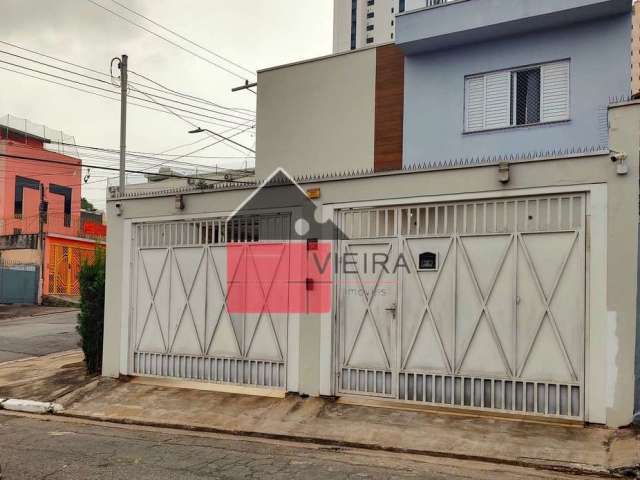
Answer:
[(21, 256), (613, 240), (317, 116)]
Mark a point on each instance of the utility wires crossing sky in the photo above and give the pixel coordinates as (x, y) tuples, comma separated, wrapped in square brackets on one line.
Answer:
[(171, 42)]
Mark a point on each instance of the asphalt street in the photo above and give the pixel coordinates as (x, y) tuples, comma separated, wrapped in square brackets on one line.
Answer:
[(52, 448), (38, 335)]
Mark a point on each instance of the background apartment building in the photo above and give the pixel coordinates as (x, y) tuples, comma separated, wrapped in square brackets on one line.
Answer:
[(361, 23)]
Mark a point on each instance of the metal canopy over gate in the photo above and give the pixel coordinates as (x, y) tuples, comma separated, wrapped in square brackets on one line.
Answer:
[(482, 304), (181, 324)]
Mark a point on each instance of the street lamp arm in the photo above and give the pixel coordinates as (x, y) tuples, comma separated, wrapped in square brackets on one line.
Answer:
[(200, 130)]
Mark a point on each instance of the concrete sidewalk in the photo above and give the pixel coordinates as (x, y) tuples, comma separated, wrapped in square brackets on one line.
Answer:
[(20, 311), (556, 447), (46, 378), (571, 449)]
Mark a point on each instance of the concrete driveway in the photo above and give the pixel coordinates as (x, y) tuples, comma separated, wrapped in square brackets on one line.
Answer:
[(43, 332)]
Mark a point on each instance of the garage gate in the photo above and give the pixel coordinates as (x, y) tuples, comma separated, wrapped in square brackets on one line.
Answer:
[(181, 325), (482, 305)]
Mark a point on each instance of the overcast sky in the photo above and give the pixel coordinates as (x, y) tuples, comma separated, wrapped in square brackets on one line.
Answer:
[(253, 33)]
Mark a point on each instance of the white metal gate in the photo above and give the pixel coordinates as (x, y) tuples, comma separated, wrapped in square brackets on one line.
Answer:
[(483, 305), (181, 324)]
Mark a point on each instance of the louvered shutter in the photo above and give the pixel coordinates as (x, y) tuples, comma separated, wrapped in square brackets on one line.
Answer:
[(497, 100), (474, 103), (555, 92)]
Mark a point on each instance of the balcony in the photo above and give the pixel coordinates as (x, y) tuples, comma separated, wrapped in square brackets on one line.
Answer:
[(461, 22)]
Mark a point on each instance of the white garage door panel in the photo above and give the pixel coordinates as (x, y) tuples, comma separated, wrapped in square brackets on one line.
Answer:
[(181, 323), (427, 310), (499, 324), (368, 329)]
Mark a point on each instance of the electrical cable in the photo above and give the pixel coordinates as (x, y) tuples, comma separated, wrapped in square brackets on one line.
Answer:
[(116, 169), (250, 72), (111, 91), (195, 125), (209, 122), (164, 88), (167, 40)]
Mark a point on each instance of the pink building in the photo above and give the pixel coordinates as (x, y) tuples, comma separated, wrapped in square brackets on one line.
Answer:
[(27, 168), (25, 165)]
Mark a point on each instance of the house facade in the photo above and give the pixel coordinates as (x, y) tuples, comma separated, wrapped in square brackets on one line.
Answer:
[(513, 278), (487, 78), (33, 175)]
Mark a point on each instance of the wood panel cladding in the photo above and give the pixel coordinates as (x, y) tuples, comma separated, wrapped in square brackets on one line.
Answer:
[(389, 109)]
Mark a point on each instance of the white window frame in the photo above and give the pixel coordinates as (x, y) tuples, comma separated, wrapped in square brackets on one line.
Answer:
[(511, 93)]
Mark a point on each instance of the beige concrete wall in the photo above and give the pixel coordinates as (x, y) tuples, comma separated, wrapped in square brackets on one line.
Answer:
[(317, 116), (611, 335), (21, 256)]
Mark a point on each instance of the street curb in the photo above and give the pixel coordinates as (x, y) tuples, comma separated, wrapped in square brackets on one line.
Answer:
[(77, 393), (29, 406), (36, 357), (571, 469), (77, 309)]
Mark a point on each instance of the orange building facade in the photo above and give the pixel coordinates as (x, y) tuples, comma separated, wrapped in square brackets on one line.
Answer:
[(34, 177)]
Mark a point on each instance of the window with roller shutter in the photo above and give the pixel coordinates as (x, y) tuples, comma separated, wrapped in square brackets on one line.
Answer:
[(518, 97)]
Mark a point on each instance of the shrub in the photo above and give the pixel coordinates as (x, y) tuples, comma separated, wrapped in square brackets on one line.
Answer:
[(91, 317)]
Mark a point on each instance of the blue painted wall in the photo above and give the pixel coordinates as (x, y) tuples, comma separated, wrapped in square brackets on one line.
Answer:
[(434, 91)]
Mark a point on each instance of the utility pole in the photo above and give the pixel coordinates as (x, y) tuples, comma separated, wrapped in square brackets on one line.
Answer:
[(123, 120), (43, 209)]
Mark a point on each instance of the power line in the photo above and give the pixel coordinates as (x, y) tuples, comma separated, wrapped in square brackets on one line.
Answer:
[(194, 125), (98, 156), (210, 145), (195, 106), (157, 156), (101, 95), (167, 40), (110, 91), (108, 83), (136, 162), (115, 169), (164, 88), (55, 58), (56, 67), (250, 72), (185, 95), (162, 161), (107, 158)]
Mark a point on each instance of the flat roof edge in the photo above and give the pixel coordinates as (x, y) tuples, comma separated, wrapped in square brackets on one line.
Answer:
[(324, 178), (324, 57)]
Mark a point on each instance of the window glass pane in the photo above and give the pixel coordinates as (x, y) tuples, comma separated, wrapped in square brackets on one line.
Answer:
[(526, 97)]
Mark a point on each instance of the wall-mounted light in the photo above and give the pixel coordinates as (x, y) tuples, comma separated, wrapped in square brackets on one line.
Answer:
[(503, 172), (179, 202), (620, 159)]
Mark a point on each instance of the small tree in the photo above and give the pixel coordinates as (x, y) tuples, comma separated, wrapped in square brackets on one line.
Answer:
[(91, 317), (87, 205)]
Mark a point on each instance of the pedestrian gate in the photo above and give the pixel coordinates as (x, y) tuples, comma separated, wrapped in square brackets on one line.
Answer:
[(64, 266), (478, 305), (181, 325), (19, 283)]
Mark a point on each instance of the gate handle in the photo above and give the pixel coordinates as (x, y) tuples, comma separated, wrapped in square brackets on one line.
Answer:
[(393, 309)]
